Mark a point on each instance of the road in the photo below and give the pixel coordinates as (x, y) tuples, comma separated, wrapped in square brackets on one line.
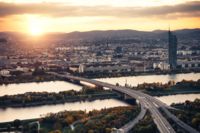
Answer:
[(132, 123), (149, 102)]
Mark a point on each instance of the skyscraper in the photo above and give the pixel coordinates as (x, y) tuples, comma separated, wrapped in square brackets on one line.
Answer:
[(172, 50)]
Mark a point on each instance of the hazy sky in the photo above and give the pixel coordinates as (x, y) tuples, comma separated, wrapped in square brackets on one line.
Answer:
[(40, 16)]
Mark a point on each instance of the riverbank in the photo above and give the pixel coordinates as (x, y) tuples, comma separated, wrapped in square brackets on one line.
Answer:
[(132, 73), (43, 98), (96, 120), (29, 77), (170, 88), (11, 126), (172, 92), (81, 98)]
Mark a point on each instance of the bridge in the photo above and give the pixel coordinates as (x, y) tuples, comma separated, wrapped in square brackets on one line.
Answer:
[(146, 101)]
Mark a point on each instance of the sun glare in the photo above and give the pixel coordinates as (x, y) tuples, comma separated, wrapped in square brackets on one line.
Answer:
[(36, 27), (35, 31)]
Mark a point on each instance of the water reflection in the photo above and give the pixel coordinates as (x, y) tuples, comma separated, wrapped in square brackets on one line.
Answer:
[(51, 86), (179, 98), (173, 77), (11, 114), (135, 80)]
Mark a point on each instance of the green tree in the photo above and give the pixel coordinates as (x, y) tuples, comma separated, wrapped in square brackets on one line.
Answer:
[(8, 128), (90, 131), (16, 124), (195, 122)]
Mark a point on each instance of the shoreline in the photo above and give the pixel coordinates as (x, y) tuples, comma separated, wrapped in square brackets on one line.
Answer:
[(3, 125), (80, 98), (49, 78), (89, 98), (44, 119), (136, 74), (175, 93)]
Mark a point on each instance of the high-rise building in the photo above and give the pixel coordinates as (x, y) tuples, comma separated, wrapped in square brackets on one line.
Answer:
[(172, 50)]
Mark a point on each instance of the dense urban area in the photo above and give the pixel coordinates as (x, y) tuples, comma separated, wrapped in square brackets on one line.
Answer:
[(98, 53)]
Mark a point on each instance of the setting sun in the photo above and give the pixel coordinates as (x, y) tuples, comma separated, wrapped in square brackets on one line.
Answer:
[(36, 31), (36, 26)]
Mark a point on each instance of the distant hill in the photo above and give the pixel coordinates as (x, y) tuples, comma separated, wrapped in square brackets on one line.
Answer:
[(120, 34), (107, 34), (115, 34)]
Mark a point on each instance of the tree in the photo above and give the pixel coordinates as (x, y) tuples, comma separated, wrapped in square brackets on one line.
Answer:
[(8, 128), (16, 123), (38, 72), (195, 122), (56, 131), (90, 131), (57, 125), (117, 84), (69, 119), (108, 130)]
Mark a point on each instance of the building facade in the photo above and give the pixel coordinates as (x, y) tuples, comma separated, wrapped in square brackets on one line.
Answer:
[(172, 50)]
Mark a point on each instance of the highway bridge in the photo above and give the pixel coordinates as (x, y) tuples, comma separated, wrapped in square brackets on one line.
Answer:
[(147, 103)]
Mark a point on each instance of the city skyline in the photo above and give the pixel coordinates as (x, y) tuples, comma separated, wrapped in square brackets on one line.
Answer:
[(37, 17)]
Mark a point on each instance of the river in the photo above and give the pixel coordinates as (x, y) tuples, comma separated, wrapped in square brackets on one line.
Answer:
[(10, 114), (135, 80), (57, 86), (179, 98), (50, 86)]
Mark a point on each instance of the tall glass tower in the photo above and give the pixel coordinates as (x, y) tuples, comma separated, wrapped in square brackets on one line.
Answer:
[(172, 50)]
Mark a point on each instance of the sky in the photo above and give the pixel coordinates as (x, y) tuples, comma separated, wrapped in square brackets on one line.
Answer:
[(41, 16)]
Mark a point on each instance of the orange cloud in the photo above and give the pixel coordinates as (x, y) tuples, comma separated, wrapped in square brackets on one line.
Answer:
[(63, 10), (57, 17)]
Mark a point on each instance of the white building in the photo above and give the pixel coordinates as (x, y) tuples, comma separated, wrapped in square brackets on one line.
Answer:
[(4, 72), (161, 66), (74, 68), (81, 68), (23, 69)]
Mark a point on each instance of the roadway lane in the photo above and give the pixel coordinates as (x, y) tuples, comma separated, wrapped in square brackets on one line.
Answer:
[(132, 123), (173, 117)]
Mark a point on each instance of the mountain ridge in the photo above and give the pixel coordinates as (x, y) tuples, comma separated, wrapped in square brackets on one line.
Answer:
[(110, 34)]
